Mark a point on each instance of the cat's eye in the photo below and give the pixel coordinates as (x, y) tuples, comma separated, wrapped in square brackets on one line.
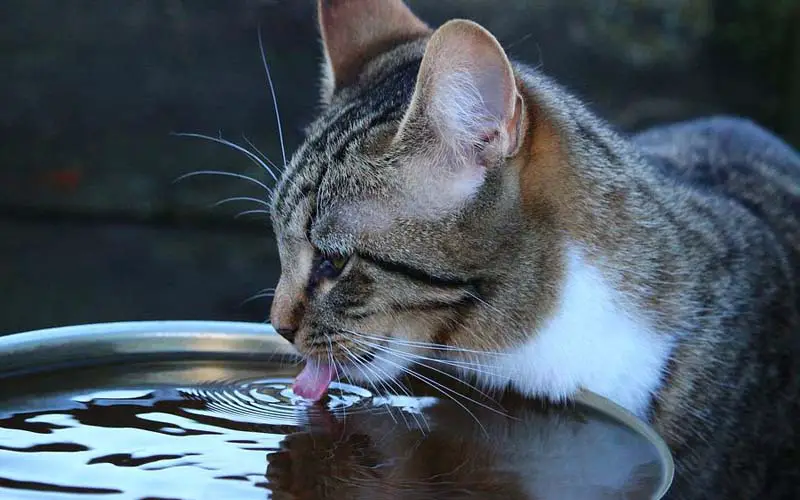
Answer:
[(331, 266)]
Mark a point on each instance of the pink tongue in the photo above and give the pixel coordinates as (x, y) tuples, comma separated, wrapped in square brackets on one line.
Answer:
[(313, 381)]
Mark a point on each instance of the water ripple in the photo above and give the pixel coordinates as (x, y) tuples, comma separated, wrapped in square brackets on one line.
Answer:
[(227, 432)]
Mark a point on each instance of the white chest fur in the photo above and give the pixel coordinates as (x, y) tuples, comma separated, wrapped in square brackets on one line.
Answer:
[(592, 342)]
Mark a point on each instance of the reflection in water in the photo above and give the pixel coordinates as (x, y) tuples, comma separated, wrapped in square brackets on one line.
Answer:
[(247, 436)]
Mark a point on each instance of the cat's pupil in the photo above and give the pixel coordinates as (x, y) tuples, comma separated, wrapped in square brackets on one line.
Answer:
[(331, 266)]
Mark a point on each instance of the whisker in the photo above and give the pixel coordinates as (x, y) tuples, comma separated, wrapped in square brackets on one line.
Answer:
[(427, 345), (473, 366), (336, 370), (260, 153), (419, 418), (259, 295), (253, 157), (379, 380), (225, 174), (390, 382), (519, 41), (468, 365), (358, 364), (272, 91), (250, 212), (465, 365), (387, 381), (482, 301), (240, 198), (432, 383), (409, 357), (269, 166)]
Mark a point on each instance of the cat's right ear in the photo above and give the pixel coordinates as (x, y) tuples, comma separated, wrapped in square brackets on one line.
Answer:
[(354, 31)]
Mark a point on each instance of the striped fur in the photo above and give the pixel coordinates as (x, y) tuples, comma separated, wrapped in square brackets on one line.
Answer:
[(690, 231)]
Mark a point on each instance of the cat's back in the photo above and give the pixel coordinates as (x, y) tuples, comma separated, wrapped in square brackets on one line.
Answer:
[(754, 401), (735, 158)]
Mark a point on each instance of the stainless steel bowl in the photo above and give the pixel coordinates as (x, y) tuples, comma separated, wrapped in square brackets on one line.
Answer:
[(36, 352), (141, 340)]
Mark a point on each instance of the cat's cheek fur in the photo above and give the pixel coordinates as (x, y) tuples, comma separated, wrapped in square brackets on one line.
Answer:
[(429, 196), (441, 193), (594, 342), (386, 366)]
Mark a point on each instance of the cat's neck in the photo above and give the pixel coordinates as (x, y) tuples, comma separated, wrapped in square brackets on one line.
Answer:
[(594, 341), (604, 333)]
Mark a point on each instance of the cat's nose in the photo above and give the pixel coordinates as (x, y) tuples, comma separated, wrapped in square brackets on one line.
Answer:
[(287, 311)]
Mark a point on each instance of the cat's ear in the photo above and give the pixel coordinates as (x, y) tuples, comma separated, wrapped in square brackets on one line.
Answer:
[(354, 31), (466, 93)]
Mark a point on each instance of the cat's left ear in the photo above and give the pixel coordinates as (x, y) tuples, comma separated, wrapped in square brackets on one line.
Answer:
[(466, 93), (355, 31)]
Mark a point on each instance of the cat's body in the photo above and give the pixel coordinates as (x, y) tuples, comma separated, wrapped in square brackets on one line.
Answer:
[(732, 401), (449, 203)]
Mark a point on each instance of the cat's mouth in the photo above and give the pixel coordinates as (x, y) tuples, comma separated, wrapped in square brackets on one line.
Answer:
[(312, 382), (316, 376), (355, 357)]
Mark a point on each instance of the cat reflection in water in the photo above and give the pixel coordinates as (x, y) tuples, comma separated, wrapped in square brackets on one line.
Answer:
[(527, 452)]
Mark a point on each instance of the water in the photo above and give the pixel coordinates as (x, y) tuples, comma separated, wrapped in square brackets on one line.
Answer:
[(235, 430)]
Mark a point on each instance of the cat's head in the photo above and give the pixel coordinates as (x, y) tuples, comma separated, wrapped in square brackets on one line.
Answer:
[(403, 220)]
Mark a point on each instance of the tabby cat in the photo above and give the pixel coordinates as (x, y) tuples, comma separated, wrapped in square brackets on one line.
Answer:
[(450, 203)]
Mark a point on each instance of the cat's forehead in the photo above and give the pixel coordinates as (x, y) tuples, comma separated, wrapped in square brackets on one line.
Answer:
[(344, 155), (339, 166)]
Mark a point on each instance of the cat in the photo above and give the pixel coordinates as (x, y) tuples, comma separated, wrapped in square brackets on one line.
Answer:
[(450, 203)]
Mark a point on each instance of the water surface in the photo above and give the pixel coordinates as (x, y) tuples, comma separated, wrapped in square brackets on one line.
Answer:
[(235, 430)]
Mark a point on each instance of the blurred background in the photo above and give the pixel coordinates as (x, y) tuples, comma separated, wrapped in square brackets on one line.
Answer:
[(94, 228)]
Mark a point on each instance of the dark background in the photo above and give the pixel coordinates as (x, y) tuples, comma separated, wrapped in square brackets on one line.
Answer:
[(92, 227)]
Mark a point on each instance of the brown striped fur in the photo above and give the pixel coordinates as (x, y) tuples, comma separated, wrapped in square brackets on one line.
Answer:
[(694, 224)]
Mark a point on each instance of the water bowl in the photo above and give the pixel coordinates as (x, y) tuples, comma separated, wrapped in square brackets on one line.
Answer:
[(196, 410)]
